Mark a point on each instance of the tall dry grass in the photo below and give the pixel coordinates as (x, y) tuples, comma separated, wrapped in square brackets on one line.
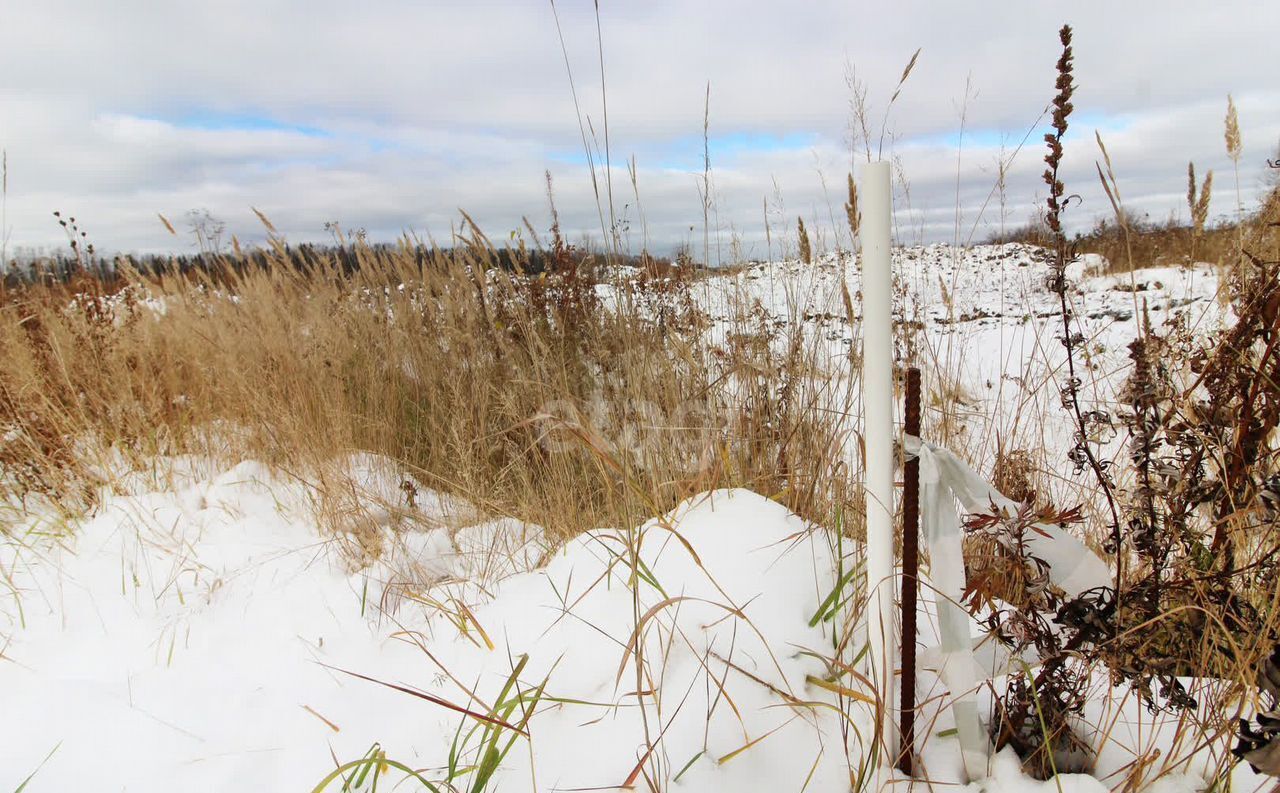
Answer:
[(565, 402)]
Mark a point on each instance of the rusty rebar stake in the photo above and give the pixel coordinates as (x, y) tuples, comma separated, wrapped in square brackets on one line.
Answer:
[(910, 572)]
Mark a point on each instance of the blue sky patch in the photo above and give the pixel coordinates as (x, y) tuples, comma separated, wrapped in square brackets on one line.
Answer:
[(213, 120), (993, 138), (685, 152)]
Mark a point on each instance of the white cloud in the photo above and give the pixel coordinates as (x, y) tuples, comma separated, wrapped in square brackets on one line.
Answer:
[(394, 115)]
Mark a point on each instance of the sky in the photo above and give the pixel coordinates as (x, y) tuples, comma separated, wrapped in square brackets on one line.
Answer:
[(393, 117)]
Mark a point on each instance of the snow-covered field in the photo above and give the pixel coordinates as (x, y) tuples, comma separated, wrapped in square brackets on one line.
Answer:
[(989, 341), (200, 632)]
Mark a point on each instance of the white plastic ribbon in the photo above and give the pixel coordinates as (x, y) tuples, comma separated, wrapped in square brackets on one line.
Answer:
[(955, 662), (944, 480), (1073, 568)]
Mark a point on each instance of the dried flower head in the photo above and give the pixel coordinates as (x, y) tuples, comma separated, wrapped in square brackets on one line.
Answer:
[(851, 210), (1062, 108), (1234, 146)]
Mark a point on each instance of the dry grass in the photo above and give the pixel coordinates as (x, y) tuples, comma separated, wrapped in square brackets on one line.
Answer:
[(1167, 243), (526, 394)]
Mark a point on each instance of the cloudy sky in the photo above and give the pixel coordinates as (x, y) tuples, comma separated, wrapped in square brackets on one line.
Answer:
[(392, 116)]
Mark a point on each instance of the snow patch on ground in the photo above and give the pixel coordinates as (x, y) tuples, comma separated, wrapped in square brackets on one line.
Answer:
[(183, 640)]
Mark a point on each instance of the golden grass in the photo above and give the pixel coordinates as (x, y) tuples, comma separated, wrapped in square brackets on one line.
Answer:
[(526, 395), (1167, 243)]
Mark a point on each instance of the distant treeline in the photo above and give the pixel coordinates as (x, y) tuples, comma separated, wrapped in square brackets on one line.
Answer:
[(309, 257)]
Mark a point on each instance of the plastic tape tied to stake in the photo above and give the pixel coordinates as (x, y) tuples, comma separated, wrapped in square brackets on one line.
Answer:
[(944, 480), (1073, 568)]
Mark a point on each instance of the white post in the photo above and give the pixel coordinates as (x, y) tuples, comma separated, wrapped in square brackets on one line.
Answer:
[(877, 414)]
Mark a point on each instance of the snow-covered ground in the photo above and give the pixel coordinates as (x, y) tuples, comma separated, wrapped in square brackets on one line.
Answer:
[(200, 632), (989, 342)]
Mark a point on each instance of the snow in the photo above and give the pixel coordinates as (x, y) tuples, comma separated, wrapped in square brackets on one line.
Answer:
[(184, 639), (196, 632), (990, 326)]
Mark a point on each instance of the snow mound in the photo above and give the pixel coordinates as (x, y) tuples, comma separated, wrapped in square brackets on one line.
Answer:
[(190, 639), (206, 635)]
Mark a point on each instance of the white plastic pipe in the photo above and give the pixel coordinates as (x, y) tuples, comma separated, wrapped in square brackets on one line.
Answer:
[(877, 414)]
